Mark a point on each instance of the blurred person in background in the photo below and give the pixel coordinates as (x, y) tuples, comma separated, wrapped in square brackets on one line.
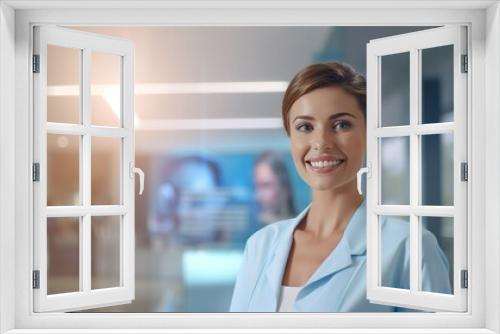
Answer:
[(273, 189), (188, 188)]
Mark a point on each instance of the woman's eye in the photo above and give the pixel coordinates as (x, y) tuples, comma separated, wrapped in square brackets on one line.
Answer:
[(342, 125), (304, 127)]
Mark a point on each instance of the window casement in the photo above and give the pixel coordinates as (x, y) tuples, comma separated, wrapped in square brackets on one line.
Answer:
[(82, 209), (480, 122), (397, 66)]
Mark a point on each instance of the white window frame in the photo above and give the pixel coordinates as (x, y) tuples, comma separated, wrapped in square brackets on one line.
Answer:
[(86, 297), (413, 44), (16, 214)]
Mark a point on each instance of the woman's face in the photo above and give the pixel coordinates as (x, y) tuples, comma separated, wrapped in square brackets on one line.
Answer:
[(327, 137)]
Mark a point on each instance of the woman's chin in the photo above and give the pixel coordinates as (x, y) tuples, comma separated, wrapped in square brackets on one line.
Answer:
[(323, 186), (332, 186)]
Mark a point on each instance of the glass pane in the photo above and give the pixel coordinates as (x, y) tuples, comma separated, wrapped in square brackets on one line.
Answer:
[(437, 84), (106, 170), (437, 254), (395, 242), (63, 84), (105, 252), (63, 255), (395, 176), (437, 169), (218, 162), (105, 89), (395, 89), (63, 170)]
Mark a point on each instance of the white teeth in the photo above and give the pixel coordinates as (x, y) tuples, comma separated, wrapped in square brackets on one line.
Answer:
[(324, 164)]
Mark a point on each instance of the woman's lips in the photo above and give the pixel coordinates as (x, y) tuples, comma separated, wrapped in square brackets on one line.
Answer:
[(323, 170)]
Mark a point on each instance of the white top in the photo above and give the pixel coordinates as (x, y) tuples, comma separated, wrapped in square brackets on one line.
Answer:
[(287, 297)]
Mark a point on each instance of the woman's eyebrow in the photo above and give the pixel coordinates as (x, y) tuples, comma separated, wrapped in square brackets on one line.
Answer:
[(340, 114), (303, 117)]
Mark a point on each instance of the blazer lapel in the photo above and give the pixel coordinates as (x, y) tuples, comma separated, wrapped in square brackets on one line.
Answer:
[(337, 260), (353, 242), (275, 268)]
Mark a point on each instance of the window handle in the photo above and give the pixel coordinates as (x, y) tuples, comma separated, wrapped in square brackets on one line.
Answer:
[(134, 170), (362, 171)]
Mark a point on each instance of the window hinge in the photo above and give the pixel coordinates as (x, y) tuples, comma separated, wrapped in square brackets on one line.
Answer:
[(36, 172), (36, 279), (465, 279), (465, 64), (464, 174), (36, 63)]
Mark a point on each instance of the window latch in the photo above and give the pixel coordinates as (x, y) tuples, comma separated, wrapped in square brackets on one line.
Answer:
[(134, 170), (362, 171)]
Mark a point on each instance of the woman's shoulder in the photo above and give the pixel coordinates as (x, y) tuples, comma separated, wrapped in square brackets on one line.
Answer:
[(395, 228), (258, 250), (396, 232), (268, 235)]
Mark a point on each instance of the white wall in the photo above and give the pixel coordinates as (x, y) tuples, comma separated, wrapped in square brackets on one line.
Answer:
[(6, 165), (492, 149)]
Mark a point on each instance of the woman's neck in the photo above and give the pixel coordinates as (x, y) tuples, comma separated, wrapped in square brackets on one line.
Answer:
[(331, 211)]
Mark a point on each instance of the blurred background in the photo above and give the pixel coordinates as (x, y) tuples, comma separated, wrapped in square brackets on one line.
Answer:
[(210, 140)]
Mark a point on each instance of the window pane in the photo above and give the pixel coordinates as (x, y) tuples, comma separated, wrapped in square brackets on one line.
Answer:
[(395, 176), (395, 243), (63, 170), (209, 187), (105, 252), (395, 89), (63, 255), (437, 169), (437, 84), (437, 254), (63, 84), (105, 89), (106, 170)]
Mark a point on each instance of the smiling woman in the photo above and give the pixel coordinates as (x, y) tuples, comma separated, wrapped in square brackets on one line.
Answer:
[(316, 262)]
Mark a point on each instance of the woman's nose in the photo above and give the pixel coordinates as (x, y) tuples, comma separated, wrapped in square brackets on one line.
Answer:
[(323, 140)]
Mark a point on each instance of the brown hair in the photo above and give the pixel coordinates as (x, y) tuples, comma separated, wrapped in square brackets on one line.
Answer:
[(323, 75)]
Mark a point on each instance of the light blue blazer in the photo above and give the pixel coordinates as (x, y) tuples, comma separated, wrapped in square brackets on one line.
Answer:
[(339, 283)]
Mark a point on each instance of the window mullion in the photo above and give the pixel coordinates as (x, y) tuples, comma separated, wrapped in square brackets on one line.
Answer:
[(78, 129), (127, 193), (419, 129), (85, 244), (414, 168)]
